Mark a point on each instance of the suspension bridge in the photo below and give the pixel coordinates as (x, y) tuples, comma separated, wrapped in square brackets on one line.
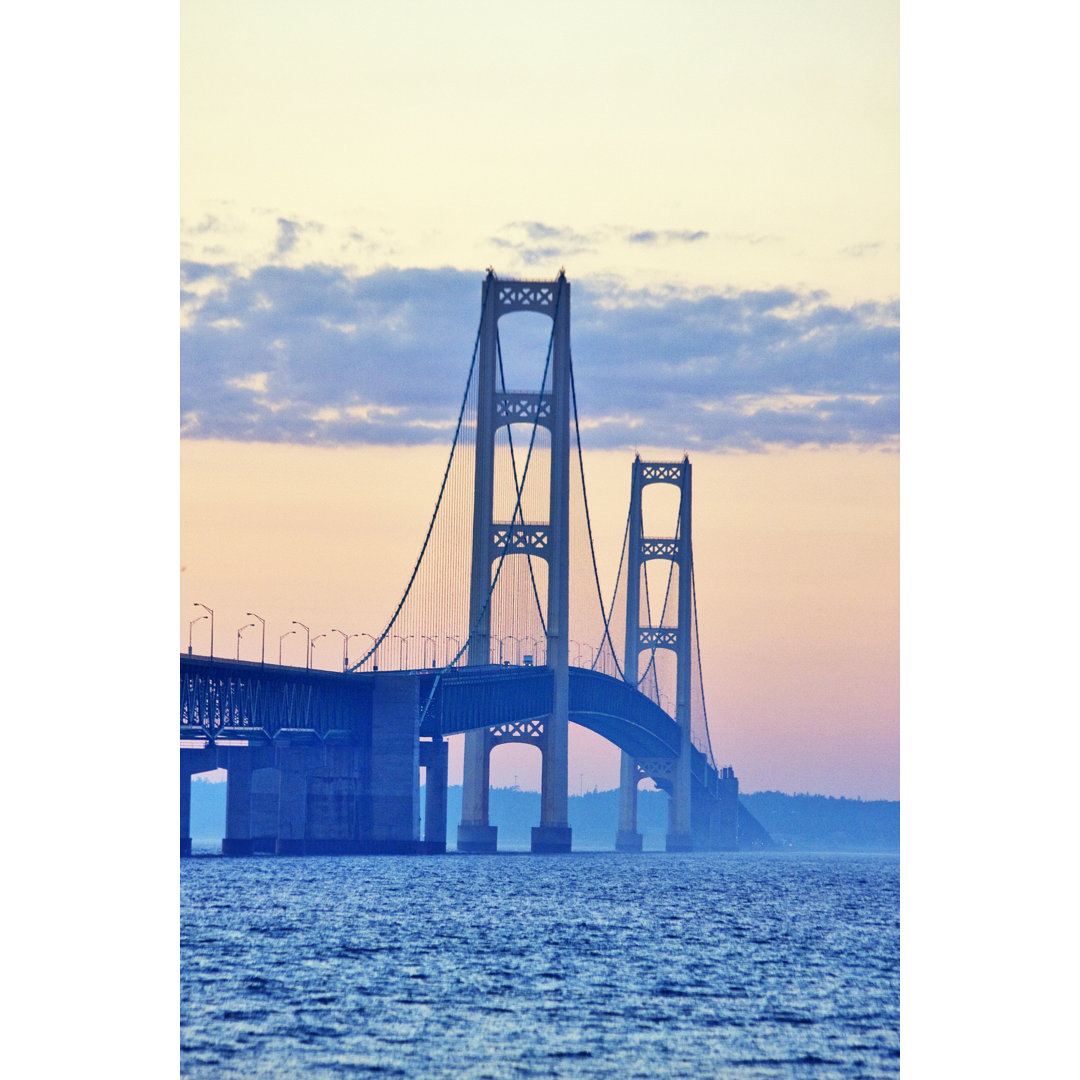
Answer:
[(322, 762)]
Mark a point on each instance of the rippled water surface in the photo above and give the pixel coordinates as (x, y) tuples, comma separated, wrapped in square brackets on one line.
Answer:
[(583, 965)]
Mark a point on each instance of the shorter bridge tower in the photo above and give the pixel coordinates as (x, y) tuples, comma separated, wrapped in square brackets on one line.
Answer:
[(673, 774)]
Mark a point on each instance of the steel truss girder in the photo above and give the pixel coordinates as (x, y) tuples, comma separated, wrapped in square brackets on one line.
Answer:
[(523, 408), (522, 539), (522, 731), (654, 768), (215, 700), (661, 472), (659, 637), (659, 548), (526, 296)]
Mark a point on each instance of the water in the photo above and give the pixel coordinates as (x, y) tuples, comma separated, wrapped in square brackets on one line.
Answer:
[(584, 965)]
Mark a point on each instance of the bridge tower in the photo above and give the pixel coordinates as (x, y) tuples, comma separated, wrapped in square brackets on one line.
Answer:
[(549, 540), (676, 549)]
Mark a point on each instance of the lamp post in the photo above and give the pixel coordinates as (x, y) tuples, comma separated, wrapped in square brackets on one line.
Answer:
[(263, 621), (434, 650), (374, 650), (238, 633), (451, 656), (312, 648), (307, 641), (204, 607), (403, 652), (344, 646), (517, 647), (280, 640), (198, 618)]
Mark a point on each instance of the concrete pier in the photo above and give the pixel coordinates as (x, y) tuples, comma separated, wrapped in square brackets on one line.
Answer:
[(395, 765), (628, 838), (265, 795), (475, 835), (237, 840), (434, 757)]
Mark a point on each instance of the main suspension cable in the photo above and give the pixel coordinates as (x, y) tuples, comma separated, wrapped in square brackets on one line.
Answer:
[(592, 547), (438, 502)]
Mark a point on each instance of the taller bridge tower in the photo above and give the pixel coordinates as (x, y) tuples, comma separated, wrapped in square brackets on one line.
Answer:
[(549, 540)]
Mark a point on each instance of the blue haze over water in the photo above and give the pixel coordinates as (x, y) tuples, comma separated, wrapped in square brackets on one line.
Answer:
[(586, 965)]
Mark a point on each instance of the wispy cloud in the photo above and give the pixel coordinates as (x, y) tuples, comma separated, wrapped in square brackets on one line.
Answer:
[(667, 236), (860, 251), (315, 355)]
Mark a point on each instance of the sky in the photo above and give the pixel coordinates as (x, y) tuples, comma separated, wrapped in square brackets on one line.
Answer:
[(720, 182)]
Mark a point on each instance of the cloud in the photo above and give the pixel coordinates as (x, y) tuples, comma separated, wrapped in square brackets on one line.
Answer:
[(860, 251), (313, 354), (534, 242), (667, 236), (288, 232)]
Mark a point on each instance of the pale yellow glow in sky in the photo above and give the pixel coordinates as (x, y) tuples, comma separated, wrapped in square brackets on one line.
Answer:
[(412, 134)]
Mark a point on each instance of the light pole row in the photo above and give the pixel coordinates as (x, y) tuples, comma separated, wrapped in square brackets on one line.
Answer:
[(404, 639), (309, 640)]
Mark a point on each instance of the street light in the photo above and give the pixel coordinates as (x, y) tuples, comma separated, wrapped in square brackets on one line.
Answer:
[(280, 640), (517, 645), (452, 656), (238, 633), (311, 648), (307, 645), (403, 652), (263, 621), (536, 648), (344, 646), (434, 651), (198, 618), (374, 650), (197, 604)]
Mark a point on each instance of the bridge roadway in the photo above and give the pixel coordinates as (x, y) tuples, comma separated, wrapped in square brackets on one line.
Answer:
[(349, 745)]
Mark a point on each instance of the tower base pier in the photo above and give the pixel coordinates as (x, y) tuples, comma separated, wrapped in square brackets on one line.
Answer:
[(551, 839), (628, 841), (478, 839)]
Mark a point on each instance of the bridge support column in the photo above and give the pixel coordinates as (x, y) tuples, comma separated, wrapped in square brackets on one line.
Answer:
[(553, 835), (185, 812), (679, 835), (725, 812), (475, 836), (434, 758), (335, 795), (395, 765), (237, 840), (265, 795), (293, 764), (628, 838)]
